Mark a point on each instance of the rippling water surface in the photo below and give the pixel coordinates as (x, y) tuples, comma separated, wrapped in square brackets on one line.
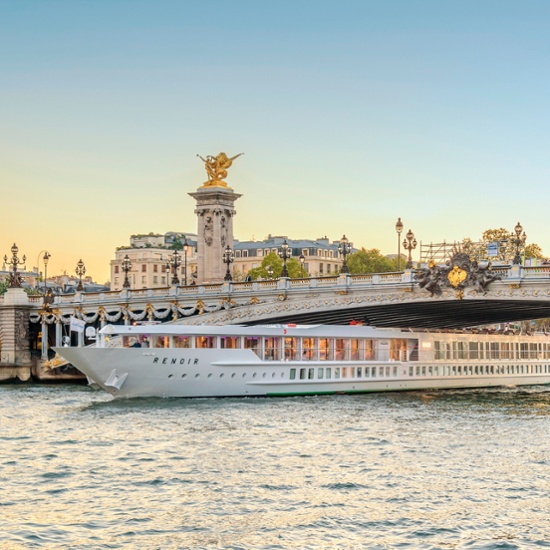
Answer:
[(409, 470)]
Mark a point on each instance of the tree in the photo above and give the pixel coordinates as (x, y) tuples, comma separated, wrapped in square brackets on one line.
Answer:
[(370, 261), (503, 247), (272, 260)]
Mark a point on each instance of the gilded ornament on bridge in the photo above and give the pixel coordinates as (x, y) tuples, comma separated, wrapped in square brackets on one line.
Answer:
[(457, 276), (459, 272), (216, 169)]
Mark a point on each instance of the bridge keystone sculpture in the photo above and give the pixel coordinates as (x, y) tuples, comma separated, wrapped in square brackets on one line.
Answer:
[(459, 272)]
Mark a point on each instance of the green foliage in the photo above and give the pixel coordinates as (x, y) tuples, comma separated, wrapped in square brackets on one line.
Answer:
[(4, 286), (370, 261), (272, 260), (506, 248)]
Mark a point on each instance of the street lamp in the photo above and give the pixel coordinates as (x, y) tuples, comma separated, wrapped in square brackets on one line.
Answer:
[(228, 258), (285, 253), (409, 244), (80, 271), (302, 260), (344, 248), (126, 267), (518, 240), (185, 248), (15, 276), (172, 265), (46, 258), (270, 272), (399, 229)]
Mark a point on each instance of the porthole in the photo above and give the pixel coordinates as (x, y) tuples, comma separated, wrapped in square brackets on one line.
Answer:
[(254, 375), (264, 375), (244, 374), (272, 375), (232, 375), (184, 375), (170, 376), (209, 375), (221, 375), (197, 375)]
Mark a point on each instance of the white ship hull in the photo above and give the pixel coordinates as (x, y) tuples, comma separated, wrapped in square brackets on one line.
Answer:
[(192, 372)]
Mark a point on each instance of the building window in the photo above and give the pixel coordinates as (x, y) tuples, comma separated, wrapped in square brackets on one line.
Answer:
[(116, 268), (143, 268), (144, 278), (245, 253), (155, 268), (155, 279), (328, 268), (321, 268), (237, 253)]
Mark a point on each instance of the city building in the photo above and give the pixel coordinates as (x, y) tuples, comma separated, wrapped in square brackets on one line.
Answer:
[(321, 256), (148, 262), (149, 254)]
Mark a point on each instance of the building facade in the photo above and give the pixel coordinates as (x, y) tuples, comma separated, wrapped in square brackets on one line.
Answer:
[(151, 258)]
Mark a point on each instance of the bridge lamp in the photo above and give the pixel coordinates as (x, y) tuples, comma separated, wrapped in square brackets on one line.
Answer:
[(302, 259), (228, 258), (409, 244), (80, 272), (285, 253), (15, 276), (518, 240), (399, 229), (46, 258), (126, 267), (185, 249), (270, 272), (344, 248)]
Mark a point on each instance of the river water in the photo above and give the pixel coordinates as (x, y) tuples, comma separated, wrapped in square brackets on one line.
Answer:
[(429, 470)]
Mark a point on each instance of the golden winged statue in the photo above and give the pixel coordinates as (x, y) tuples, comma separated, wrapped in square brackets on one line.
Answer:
[(216, 169)]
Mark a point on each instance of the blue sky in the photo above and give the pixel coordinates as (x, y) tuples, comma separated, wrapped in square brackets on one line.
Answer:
[(350, 114)]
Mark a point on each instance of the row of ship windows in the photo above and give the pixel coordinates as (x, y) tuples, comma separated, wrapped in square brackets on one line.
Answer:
[(336, 373)]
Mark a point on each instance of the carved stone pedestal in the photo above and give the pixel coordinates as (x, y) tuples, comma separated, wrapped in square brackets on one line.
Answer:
[(15, 356), (215, 211)]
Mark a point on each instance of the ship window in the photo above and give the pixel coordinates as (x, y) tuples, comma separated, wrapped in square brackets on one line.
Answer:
[(325, 350), (373, 372), (344, 372), (430, 371), (369, 350), (182, 342), (356, 350), (205, 341), (340, 349), (328, 372), (311, 374), (337, 372), (474, 347), (387, 371), (252, 343), (308, 349), (272, 349), (290, 349), (359, 372), (292, 374), (302, 374), (170, 376), (395, 371), (417, 371), (411, 371), (197, 375), (320, 373), (229, 342), (423, 371), (160, 341)]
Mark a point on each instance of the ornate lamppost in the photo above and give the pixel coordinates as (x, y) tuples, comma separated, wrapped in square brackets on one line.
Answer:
[(409, 244), (15, 276), (285, 253), (344, 248), (518, 240), (185, 248), (270, 272), (228, 258), (46, 258), (80, 271), (399, 229), (172, 265), (126, 268), (302, 259)]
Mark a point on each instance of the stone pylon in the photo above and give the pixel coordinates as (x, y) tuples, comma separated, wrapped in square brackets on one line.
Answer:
[(15, 356), (215, 210)]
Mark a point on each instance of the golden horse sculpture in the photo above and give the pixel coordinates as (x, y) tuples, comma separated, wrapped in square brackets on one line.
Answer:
[(216, 169)]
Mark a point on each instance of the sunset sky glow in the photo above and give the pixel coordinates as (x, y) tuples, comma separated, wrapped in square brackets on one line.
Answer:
[(350, 114)]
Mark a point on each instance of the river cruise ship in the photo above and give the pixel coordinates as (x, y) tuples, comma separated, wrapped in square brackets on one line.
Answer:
[(281, 360)]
